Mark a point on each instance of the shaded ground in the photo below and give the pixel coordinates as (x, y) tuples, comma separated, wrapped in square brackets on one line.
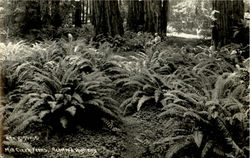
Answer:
[(135, 140)]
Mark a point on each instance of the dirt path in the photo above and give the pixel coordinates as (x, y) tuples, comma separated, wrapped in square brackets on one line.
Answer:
[(143, 129)]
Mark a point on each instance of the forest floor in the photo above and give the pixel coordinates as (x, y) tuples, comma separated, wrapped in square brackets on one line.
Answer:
[(138, 133), (135, 139)]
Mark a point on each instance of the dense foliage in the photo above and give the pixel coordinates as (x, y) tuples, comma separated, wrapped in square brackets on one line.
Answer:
[(66, 78), (203, 94)]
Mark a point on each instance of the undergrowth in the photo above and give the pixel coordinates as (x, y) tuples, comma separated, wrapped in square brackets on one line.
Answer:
[(203, 94)]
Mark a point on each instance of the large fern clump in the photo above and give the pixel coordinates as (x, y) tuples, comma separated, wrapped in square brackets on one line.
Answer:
[(22, 60), (208, 109), (167, 61), (148, 89), (57, 81)]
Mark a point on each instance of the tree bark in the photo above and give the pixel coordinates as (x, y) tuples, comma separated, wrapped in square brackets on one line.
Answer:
[(87, 12), (156, 14), (45, 10), (83, 11), (106, 17), (91, 12), (78, 10), (229, 15), (55, 14), (135, 19), (32, 18)]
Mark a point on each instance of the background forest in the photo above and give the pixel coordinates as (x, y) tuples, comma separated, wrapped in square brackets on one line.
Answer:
[(124, 78)]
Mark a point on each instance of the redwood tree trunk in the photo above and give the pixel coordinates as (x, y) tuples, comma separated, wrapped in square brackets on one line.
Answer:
[(87, 12), (135, 18), (164, 17), (83, 11), (230, 13), (32, 17), (106, 17), (55, 14), (78, 10), (156, 14), (45, 13)]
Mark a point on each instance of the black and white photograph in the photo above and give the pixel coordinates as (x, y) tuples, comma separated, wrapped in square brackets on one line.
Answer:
[(124, 78)]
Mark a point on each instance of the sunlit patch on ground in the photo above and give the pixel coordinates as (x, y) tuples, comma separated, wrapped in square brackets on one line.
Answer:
[(186, 35)]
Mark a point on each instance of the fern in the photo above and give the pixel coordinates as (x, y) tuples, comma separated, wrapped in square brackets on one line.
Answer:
[(16, 144), (61, 88), (150, 87), (176, 148), (209, 104), (142, 100)]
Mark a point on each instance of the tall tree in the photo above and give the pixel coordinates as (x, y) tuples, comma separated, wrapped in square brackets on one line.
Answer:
[(164, 17), (156, 14), (106, 17), (87, 12), (135, 18), (45, 13), (32, 19), (83, 11), (55, 14), (226, 15), (78, 10)]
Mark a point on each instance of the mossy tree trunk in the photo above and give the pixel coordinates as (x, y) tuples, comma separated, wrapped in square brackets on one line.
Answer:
[(135, 19), (229, 14), (106, 17)]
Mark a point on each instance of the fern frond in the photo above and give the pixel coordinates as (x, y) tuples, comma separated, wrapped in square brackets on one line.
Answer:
[(172, 140), (208, 146), (187, 97), (24, 124), (177, 147), (18, 144), (137, 94), (95, 102), (54, 85), (142, 100), (178, 107), (157, 95), (198, 138), (134, 82), (196, 117), (68, 75), (126, 102), (171, 113)]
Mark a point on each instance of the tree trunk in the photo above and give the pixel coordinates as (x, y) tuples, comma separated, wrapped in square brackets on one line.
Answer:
[(83, 11), (2, 104), (78, 11), (164, 17), (106, 17), (229, 14), (32, 18), (87, 12), (135, 18), (91, 12), (55, 14), (45, 10), (156, 14)]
